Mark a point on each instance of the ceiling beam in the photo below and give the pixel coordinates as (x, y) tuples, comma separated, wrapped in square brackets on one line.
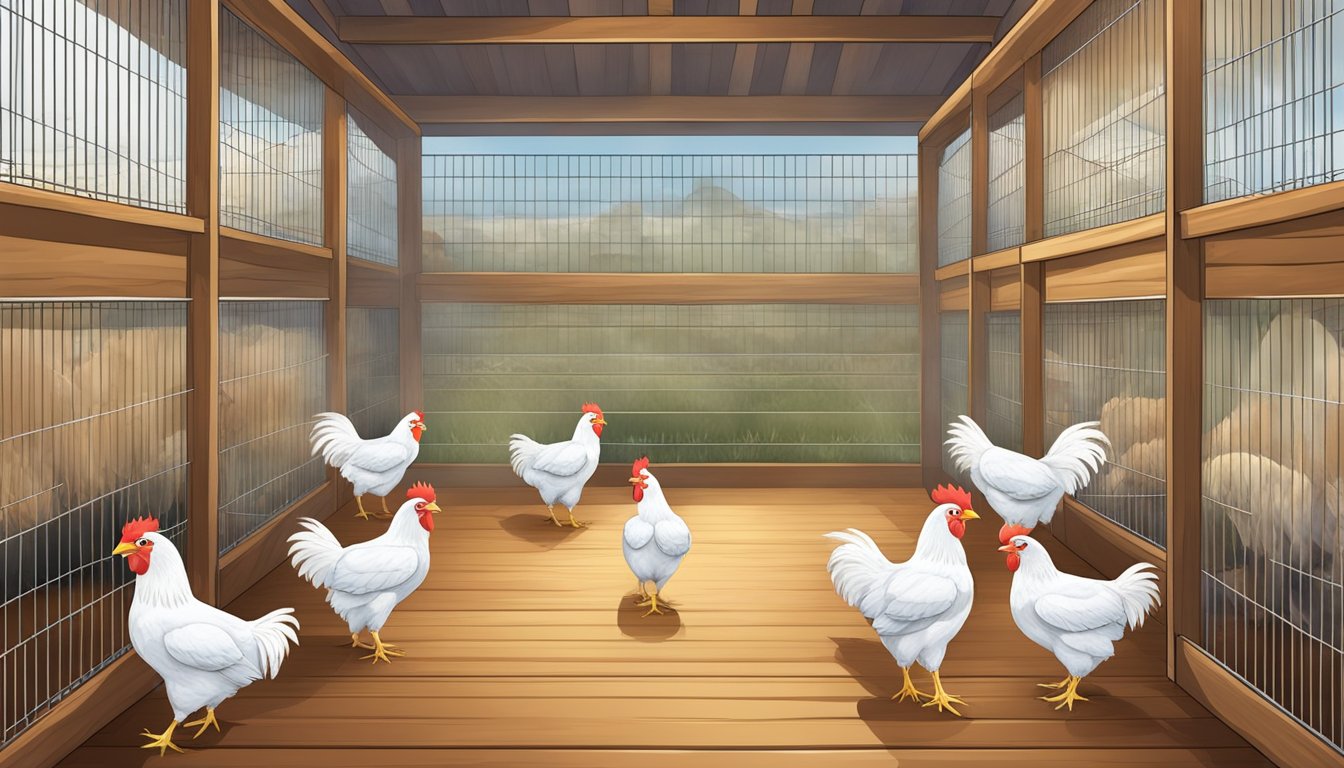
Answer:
[(683, 109), (469, 30)]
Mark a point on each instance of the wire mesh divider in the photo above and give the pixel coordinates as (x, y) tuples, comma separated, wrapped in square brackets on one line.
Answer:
[(954, 201), (373, 369)]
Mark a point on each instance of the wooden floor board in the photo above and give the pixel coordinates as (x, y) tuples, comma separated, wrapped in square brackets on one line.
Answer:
[(525, 649)]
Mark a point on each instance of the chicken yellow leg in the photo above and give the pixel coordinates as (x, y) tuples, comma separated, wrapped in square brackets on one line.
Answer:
[(1055, 686), (386, 512), (1069, 695), (382, 650), (354, 642), (361, 514), (908, 689), (164, 741), (551, 508), (204, 722), (941, 699), (576, 523), (652, 603)]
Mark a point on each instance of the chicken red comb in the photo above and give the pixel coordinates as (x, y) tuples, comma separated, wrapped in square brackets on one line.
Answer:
[(641, 463), (947, 494), (138, 527), (592, 408), (420, 415), (421, 490)]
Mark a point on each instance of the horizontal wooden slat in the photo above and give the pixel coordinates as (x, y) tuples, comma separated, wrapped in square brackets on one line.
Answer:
[(1104, 544), (372, 285), (675, 109), (1302, 257), (696, 475), (40, 268), (254, 266), (236, 242), (1008, 257), (953, 109), (1260, 210), (466, 30), (27, 197), (954, 295), (1005, 289), (1096, 239), (667, 288), (955, 269), (1134, 270), (258, 554), (676, 128)]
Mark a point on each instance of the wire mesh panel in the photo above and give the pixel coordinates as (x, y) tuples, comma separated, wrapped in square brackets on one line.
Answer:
[(734, 383), (93, 99), (270, 137), (1273, 556), (1007, 175), (1272, 79), (373, 369), (1106, 361), (954, 344), (1103, 87), (273, 378), (93, 400), (954, 201), (371, 194), (1003, 385), (670, 213)]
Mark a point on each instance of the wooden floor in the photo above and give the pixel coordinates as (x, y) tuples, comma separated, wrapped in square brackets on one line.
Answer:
[(526, 650)]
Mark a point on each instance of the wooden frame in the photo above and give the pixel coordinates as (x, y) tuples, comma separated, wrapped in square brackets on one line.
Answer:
[(1089, 240), (1260, 210), (696, 475), (1104, 544), (1005, 289), (410, 232), (1008, 257), (1303, 257), (666, 288), (1133, 271), (668, 109), (265, 548)]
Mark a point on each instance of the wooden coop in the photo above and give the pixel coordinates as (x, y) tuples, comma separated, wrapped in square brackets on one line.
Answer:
[(221, 217)]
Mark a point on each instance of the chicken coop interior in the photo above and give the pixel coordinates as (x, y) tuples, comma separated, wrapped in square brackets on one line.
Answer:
[(783, 244)]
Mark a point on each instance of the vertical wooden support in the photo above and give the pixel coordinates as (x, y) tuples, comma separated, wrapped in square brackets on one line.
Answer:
[(1033, 286), (1033, 116), (1185, 350), (203, 289), (410, 233), (978, 353), (334, 188), (930, 444)]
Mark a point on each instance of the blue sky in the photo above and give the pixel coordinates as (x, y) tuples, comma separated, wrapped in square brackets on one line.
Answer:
[(669, 145)]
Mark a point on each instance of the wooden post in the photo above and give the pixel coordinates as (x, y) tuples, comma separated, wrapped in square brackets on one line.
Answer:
[(977, 353), (1185, 352), (335, 177), (410, 229), (930, 444), (203, 290), (1033, 286)]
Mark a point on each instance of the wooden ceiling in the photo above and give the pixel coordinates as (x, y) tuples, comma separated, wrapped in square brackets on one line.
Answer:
[(670, 66)]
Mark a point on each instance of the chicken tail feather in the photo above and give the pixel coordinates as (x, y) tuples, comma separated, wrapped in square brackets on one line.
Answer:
[(314, 550), (1077, 455), (967, 443), (335, 438), (1138, 591), (275, 633), (857, 569), (523, 452)]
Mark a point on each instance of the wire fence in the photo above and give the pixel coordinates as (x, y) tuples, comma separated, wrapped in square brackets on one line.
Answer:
[(954, 201), (1003, 385), (373, 369), (371, 192), (954, 353), (1007, 210)]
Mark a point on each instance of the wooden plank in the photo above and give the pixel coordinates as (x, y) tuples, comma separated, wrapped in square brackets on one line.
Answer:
[(725, 475), (978, 352), (248, 269), (410, 232), (26, 197), (676, 128), (660, 109), (1033, 359), (930, 302), (1301, 257), (979, 172), (1263, 281), (1260, 210), (949, 111), (240, 243), (1033, 163), (1008, 257), (259, 554), (1123, 233), (372, 285), (578, 30), (667, 288), (1037, 27), (954, 295), (1137, 270), (335, 194), (798, 68), (1265, 726), (1005, 289), (955, 269), (41, 269), (1103, 544), (660, 70)]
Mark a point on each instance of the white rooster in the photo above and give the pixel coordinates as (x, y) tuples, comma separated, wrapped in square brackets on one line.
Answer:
[(655, 540), (560, 470), (918, 606), (203, 654), (1026, 491), (1076, 618), (375, 465), (365, 581)]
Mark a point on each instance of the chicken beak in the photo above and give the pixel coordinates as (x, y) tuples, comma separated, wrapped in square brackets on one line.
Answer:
[(124, 548), (602, 422), (969, 514), (636, 480), (432, 507), (1007, 548)]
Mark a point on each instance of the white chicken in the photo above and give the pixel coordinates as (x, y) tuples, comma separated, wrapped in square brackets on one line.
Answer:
[(655, 540), (918, 606), (365, 581), (1076, 618), (1026, 491), (203, 654), (376, 465), (560, 470)]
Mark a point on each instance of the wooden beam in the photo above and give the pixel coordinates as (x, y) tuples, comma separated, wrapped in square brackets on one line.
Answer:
[(239, 241), (578, 30), (1184, 585), (955, 269), (1005, 289), (1260, 210), (1102, 543), (1033, 164), (658, 109), (14, 196), (954, 295), (372, 285), (659, 7), (1007, 257), (263, 550), (696, 475), (677, 128), (1033, 359), (979, 172), (1133, 271), (1123, 233), (930, 432), (410, 233), (955, 106), (251, 266), (1299, 258), (1037, 27), (667, 288), (43, 269), (334, 200), (978, 352)]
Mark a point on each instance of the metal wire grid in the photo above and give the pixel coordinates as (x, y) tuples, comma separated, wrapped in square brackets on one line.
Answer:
[(1003, 385), (954, 353), (93, 99), (273, 378), (954, 201), (1273, 552), (739, 383), (373, 369), (1106, 361), (1007, 173), (1272, 78), (371, 194), (93, 402), (1104, 92), (671, 213), (270, 137)]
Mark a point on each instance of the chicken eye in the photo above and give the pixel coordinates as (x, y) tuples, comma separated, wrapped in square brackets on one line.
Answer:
[(142, 543)]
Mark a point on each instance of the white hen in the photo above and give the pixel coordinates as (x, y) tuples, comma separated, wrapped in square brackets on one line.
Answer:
[(1026, 491), (365, 581), (375, 465), (560, 470), (655, 540), (203, 654), (918, 606), (1076, 618)]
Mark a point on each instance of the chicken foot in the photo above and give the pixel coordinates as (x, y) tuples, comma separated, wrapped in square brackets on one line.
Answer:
[(355, 643), (386, 512), (362, 514), (575, 523), (1069, 695), (652, 603), (382, 650), (908, 689), (204, 722), (1055, 686), (164, 741), (941, 699)]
